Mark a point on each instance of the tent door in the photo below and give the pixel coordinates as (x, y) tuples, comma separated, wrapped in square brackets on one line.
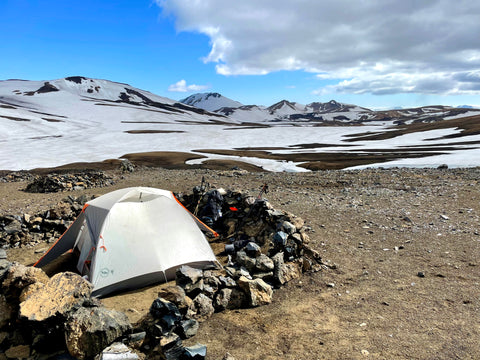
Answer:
[(86, 248)]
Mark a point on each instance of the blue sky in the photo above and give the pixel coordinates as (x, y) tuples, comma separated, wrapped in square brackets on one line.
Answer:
[(378, 54)]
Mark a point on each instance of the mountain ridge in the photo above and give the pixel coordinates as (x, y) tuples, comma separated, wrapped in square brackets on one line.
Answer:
[(78, 119)]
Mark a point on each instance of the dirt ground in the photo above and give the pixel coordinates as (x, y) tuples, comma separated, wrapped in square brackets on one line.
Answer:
[(406, 244)]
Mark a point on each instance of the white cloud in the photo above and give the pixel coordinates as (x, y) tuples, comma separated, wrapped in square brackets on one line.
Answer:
[(375, 46), (181, 86)]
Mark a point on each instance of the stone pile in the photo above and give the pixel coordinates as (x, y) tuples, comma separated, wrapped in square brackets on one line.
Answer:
[(260, 241), (16, 176), (264, 248), (68, 182), (32, 229)]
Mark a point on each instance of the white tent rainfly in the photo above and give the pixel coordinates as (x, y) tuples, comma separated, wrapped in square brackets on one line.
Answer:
[(133, 237)]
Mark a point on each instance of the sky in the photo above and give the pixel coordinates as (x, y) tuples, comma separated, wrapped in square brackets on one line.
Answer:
[(373, 53)]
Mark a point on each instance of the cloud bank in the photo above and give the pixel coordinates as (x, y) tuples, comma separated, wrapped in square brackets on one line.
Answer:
[(181, 86), (375, 46)]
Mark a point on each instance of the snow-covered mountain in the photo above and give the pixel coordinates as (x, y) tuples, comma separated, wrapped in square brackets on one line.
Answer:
[(335, 113), (61, 94), (210, 101), (286, 111), (46, 123), (77, 119)]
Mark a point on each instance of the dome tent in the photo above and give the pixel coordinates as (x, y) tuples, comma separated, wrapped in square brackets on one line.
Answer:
[(133, 237)]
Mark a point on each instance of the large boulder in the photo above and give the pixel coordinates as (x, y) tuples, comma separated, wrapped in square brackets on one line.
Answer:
[(89, 330), (19, 276), (258, 291), (60, 295)]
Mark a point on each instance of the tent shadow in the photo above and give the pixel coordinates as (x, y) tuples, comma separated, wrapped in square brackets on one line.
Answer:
[(65, 262)]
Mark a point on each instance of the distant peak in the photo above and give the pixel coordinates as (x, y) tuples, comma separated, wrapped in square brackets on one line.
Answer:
[(281, 104), (211, 101)]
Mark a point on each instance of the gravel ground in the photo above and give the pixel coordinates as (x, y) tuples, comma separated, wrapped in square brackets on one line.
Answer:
[(406, 247)]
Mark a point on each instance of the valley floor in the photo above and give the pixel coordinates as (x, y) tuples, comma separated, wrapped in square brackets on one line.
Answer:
[(405, 243)]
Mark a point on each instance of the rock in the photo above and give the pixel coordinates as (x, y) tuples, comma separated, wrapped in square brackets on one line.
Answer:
[(305, 238), (227, 281), (61, 211), (421, 274), (136, 340), (280, 238), (170, 347), (252, 249), (193, 289), (204, 306), (243, 272), (126, 166), (298, 222), (196, 352), (229, 299), (228, 356), (211, 280), (167, 313), (265, 276), (174, 294), (305, 264), (187, 275), (311, 253), (3, 254), (278, 264), (288, 227), (161, 307), (18, 352), (14, 227), (187, 328), (7, 313), (244, 260), (263, 263), (19, 276), (89, 330), (258, 291), (62, 293), (297, 238), (117, 351), (287, 272), (275, 213)]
